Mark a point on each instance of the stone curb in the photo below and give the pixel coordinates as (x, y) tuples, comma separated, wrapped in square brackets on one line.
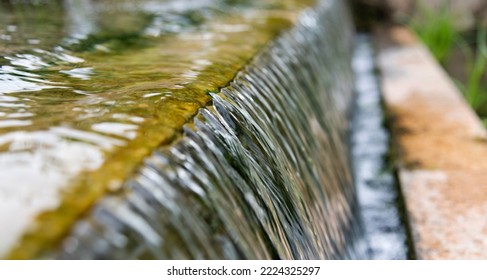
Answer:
[(441, 150)]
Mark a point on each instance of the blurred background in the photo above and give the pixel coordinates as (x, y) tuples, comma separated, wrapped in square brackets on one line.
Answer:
[(454, 31)]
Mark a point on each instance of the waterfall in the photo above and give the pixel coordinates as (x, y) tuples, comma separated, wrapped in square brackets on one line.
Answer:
[(261, 172)]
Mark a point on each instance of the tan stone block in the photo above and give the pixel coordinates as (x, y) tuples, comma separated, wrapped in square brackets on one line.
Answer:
[(442, 151)]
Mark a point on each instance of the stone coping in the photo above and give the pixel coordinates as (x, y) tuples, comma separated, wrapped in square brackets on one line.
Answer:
[(440, 149)]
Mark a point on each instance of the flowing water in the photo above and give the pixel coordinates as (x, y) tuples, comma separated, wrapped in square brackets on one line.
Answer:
[(377, 191), (90, 130)]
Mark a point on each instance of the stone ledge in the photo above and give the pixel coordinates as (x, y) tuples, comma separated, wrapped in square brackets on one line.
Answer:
[(441, 150)]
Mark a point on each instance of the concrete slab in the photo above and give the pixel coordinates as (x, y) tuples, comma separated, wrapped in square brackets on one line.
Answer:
[(441, 149)]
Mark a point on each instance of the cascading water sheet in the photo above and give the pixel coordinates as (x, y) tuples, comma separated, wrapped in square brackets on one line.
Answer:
[(262, 171)]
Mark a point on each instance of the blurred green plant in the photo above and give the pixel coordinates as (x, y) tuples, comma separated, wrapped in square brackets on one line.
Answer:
[(475, 92), (436, 28), (474, 87)]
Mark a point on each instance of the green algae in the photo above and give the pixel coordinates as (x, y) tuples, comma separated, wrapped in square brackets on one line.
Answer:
[(32, 21), (161, 81)]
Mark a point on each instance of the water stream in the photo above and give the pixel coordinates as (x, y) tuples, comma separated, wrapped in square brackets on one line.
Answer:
[(261, 173), (132, 137), (377, 190)]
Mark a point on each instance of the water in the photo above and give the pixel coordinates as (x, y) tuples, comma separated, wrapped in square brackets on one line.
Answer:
[(262, 173), (378, 194), (85, 98), (92, 131)]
